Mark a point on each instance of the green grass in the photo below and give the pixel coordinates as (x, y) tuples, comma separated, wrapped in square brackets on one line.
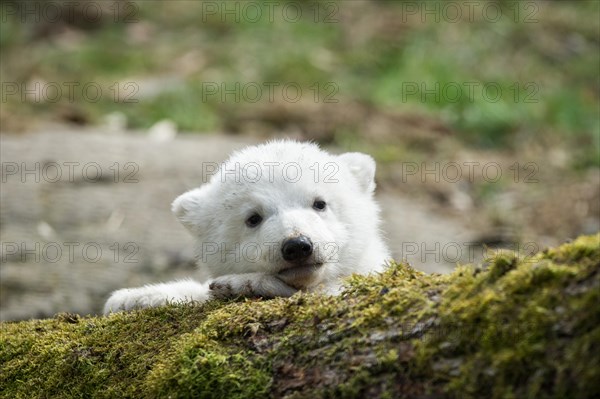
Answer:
[(540, 69)]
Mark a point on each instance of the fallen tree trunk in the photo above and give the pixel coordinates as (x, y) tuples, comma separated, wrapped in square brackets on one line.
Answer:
[(522, 328)]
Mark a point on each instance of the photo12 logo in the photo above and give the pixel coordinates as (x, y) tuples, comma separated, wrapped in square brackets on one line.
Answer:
[(460, 92), (470, 11), (88, 12), (254, 172), (257, 252), (471, 171), (70, 171), (252, 92), (53, 92), (69, 251), (462, 252), (270, 11)]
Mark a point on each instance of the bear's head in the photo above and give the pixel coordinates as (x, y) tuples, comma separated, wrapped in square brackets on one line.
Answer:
[(285, 208)]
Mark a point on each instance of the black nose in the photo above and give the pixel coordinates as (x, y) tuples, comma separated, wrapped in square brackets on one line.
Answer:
[(297, 248)]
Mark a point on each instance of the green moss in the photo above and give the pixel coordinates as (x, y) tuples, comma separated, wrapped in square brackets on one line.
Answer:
[(203, 369), (514, 328)]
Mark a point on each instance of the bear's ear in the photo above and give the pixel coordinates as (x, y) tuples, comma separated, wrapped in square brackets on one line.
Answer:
[(362, 166), (190, 209)]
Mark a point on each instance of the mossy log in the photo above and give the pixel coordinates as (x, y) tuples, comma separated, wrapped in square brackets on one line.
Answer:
[(511, 328)]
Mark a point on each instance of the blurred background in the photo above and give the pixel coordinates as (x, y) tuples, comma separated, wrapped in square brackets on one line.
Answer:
[(483, 117)]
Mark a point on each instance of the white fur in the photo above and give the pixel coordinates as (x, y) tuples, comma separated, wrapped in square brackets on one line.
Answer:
[(279, 180)]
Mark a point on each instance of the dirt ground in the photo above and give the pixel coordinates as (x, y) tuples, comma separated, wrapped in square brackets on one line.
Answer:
[(68, 240)]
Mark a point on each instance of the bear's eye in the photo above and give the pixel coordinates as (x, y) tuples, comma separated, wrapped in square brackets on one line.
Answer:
[(319, 205), (254, 220)]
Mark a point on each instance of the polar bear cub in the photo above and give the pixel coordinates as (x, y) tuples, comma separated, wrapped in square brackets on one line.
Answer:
[(274, 219)]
